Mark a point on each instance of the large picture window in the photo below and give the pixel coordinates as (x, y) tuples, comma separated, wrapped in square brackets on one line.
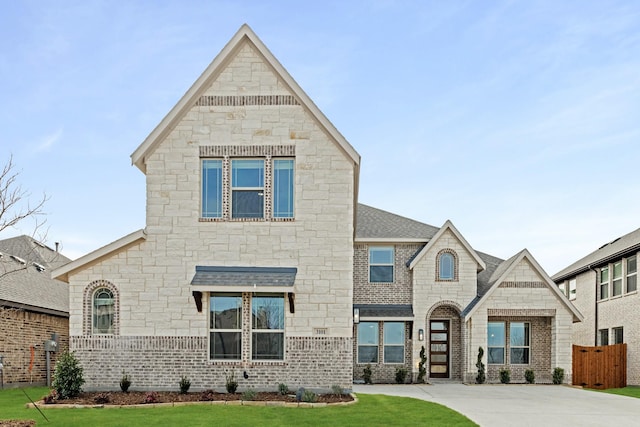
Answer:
[(519, 343), (267, 327), (495, 343), (393, 336), (103, 311), (226, 326), (381, 260), (368, 342)]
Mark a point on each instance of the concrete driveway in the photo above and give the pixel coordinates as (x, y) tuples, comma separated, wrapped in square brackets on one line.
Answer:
[(522, 405)]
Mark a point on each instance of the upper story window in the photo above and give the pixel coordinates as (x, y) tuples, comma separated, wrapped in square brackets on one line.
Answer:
[(604, 283), (103, 311), (617, 279), (572, 289), (632, 274), (446, 265), (381, 263), (247, 188)]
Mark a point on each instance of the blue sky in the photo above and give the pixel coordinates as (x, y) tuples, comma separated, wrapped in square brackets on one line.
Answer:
[(517, 120)]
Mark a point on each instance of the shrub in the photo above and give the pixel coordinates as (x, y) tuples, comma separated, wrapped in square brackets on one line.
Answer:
[(401, 375), (529, 376), (309, 396), (558, 375), (337, 390), (151, 397), (125, 382), (231, 383), (422, 370), (207, 395), (366, 374), (101, 398), (68, 379), (505, 376), (249, 394), (482, 376), (283, 389), (185, 384)]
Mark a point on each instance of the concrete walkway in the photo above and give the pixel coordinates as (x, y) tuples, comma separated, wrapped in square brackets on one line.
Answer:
[(522, 405)]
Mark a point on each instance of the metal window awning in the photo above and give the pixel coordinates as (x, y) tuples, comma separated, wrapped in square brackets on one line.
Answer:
[(243, 279), (385, 312)]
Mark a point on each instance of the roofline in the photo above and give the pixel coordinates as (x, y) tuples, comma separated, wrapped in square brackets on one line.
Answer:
[(604, 260), (139, 156), (34, 308), (62, 273), (389, 240)]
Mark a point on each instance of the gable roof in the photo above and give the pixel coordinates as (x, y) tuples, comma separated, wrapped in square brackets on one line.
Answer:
[(448, 225), (620, 247), (25, 277), (244, 35), (503, 270), (121, 244), (374, 224)]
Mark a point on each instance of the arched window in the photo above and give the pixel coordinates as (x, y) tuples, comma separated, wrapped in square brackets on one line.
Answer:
[(446, 268), (103, 313)]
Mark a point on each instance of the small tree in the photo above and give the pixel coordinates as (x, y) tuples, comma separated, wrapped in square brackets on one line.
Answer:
[(558, 375), (481, 377), (366, 374), (422, 370), (505, 376), (125, 382), (529, 376), (67, 380)]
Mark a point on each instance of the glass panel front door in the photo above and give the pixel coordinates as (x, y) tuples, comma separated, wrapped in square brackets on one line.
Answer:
[(439, 349)]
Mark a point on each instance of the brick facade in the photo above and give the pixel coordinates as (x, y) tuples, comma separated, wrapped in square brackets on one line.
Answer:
[(21, 330), (382, 372)]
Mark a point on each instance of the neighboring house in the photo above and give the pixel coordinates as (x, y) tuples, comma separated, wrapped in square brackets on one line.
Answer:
[(604, 287), (257, 260), (33, 307)]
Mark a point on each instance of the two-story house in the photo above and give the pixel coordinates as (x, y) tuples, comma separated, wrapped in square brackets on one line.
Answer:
[(257, 259), (603, 286)]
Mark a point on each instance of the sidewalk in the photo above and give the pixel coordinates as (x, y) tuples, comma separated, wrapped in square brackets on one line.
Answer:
[(522, 405)]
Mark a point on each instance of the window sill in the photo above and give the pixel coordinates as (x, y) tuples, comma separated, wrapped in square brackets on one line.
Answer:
[(631, 293)]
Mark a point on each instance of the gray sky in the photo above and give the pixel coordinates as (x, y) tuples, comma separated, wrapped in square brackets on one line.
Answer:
[(517, 120)]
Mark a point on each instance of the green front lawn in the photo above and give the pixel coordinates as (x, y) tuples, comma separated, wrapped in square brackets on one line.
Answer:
[(631, 391), (371, 410)]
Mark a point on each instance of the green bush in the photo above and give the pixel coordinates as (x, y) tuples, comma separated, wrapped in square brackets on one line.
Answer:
[(283, 389), (505, 376), (482, 376), (185, 384), (401, 375), (67, 380), (309, 396), (125, 382), (422, 370), (249, 394), (231, 383), (529, 376), (337, 390), (558, 375), (366, 374)]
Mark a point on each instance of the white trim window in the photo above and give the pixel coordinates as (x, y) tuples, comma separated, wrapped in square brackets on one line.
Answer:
[(519, 343), (381, 264), (618, 335), (103, 311), (603, 337), (247, 188), (446, 266), (603, 283), (368, 342), (632, 274), (572, 289), (616, 287), (225, 327), (211, 188), (563, 287), (393, 338), (267, 327), (283, 188), (495, 343)]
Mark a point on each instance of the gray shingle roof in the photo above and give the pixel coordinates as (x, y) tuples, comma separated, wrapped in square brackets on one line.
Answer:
[(622, 246), (374, 223), (27, 285), (385, 310), (244, 276)]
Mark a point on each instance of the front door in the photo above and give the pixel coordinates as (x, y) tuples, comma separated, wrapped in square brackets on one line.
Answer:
[(439, 349)]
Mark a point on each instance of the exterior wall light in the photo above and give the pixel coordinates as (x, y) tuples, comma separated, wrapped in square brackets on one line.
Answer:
[(420, 334), (356, 315)]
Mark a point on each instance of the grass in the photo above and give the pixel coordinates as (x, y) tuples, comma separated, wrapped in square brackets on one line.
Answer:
[(631, 391), (371, 410)]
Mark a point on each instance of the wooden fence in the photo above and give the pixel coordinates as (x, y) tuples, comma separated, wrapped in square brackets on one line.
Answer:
[(600, 367)]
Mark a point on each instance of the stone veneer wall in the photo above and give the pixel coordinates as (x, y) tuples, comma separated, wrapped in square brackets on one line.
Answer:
[(19, 332), (158, 363)]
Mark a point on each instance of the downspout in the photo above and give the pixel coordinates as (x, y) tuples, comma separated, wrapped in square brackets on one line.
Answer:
[(595, 308)]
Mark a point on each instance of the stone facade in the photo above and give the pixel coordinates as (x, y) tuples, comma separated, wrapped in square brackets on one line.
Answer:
[(23, 331)]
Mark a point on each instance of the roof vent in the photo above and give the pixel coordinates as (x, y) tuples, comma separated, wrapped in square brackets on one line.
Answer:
[(20, 260), (39, 267)]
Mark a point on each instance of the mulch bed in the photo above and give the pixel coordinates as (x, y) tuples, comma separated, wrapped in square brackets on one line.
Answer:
[(142, 397)]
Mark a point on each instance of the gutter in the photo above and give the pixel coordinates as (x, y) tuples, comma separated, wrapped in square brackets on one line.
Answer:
[(595, 307)]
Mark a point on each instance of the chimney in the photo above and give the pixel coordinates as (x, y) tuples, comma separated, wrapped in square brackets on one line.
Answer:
[(57, 246)]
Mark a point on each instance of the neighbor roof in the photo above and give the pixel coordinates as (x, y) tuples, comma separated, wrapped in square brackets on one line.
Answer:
[(622, 246), (25, 277)]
